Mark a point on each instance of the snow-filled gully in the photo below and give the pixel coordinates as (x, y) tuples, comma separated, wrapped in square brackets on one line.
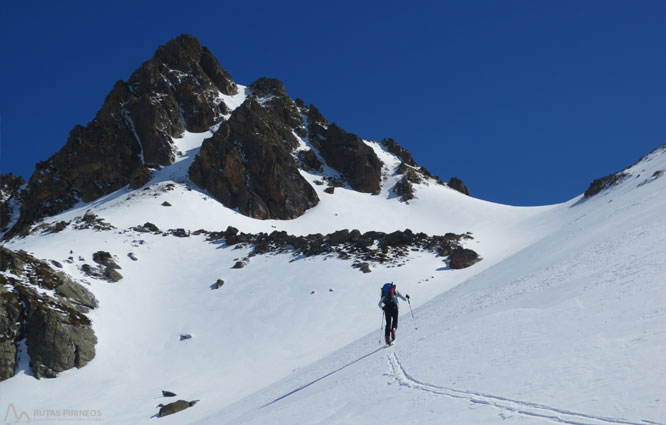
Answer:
[(524, 408)]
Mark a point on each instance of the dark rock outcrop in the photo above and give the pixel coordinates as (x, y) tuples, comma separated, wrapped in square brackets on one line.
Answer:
[(346, 153), (132, 131), (147, 227), (404, 187), (457, 184), (11, 329), (601, 184), (9, 188), (57, 332), (270, 93), (175, 407), (248, 165), (309, 161), (461, 258), (397, 150), (378, 247), (108, 269)]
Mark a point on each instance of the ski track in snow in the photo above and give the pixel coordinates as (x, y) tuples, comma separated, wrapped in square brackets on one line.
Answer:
[(524, 408)]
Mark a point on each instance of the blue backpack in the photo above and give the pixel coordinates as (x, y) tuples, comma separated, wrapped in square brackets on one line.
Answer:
[(388, 294)]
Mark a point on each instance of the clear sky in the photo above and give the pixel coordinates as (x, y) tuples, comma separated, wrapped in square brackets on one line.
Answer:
[(526, 101)]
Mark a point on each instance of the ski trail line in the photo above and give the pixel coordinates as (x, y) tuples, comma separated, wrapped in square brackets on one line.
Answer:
[(523, 408)]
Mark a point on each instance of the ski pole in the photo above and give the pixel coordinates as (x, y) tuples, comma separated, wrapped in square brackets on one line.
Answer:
[(381, 328), (410, 310)]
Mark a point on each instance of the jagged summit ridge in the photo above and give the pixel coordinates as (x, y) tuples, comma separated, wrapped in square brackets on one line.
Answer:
[(252, 163)]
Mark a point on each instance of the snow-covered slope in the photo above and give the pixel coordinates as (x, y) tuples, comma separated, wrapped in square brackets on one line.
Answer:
[(571, 329), (564, 316)]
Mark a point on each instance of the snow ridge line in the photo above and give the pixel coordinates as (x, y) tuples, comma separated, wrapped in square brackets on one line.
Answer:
[(523, 408)]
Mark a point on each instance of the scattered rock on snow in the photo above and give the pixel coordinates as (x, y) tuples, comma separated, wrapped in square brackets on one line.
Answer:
[(185, 336), (147, 228), (105, 259), (217, 285), (180, 233), (238, 265), (166, 204), (461, 258), (94, 272), (174, 407), (168, 394), (108, 267)]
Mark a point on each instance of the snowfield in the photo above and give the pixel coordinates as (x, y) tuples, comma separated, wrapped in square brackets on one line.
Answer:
[(563, 320)]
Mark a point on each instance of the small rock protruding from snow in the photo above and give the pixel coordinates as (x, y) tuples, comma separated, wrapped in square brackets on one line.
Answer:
[(175, 407), (461, 258)]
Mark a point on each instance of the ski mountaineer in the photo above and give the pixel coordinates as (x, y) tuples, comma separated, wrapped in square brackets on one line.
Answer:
[(389, 303)]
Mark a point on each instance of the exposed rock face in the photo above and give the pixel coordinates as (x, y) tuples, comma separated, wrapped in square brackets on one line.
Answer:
[(457, 184), (271, 94), (132, 131), (58, 333), (56, 341), (248, 164), (346, 153), (309, 161), (601, 184), (11, 329), (397, 150), (9, 187), (404, 187)]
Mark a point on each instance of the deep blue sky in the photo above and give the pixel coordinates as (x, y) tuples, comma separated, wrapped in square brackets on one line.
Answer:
[(526, 101)]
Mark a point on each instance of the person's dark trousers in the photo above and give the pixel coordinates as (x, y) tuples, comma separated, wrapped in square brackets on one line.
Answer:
[(391, 312)]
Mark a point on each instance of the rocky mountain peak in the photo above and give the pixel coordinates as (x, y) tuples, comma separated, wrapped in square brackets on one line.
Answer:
[(177, 89), (261, 142)]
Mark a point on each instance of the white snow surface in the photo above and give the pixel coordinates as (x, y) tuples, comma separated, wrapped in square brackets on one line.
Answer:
[(563, 320)]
